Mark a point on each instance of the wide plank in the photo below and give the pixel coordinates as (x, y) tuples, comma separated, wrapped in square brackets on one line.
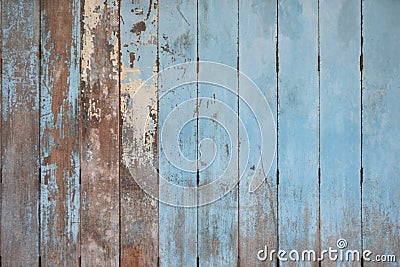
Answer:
[(218, 220), (139, 211), (100, 134), (20, 133), (59, 138), (380, 129), (177, 44), (340, 125), (258, 221), (298, 126)]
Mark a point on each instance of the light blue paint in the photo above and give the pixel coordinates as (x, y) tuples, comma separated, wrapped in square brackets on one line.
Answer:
[(177, 44), (381, 126), (19, 85), (298, 124), (340, 46), (139, 61), (257, 56), (218, 221)]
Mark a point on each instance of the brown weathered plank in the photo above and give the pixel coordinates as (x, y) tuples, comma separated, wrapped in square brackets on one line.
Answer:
[(20, 133), (139, 211), (59, 149), (100, 135)]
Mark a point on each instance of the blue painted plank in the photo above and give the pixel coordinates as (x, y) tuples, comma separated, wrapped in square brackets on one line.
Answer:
[(177, 44), (20, 133), (340, 49), (59, 146), (218, 221), (99, 128), (381, 126), (298, 125), (257, 57), (139, 211)]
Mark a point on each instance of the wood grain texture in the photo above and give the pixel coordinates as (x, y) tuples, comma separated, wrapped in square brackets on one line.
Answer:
[(100, 134), (381, 125), (177, 44), (340, 49), (298, 125), (20, 133), (59, 146), (218, 221), (257, 58), (139, 211)]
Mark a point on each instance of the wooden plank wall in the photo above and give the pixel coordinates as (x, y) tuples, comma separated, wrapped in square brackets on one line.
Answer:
[(76, 91)]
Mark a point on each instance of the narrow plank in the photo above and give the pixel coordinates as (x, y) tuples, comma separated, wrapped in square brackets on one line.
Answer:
[(59, 147), (139, 211), (218, 221), (100, 134), (20, 133), (177, 44), (257, 53), (298, 125), (381, 125), (340, 48), (1, 108)]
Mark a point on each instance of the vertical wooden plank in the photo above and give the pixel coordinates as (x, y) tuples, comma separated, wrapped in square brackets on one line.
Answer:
[(177, 44), (257, 53), (298, 125), (340, 48), (100, 134), (1, 113), (59, 147), (218, 221), (139, 211), (20, 133), (381, 126)]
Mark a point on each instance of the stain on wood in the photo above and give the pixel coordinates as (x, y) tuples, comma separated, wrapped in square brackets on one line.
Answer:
[(20, 133), (59, 145), (139, 211), (100, 134)]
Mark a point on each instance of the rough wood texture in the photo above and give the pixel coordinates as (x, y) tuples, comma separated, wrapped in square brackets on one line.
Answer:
[(20, 133), (381, 126), (218, 221), (258, 210), (100, 134), (340, 48), (298, 125), (177, 44), (59, 146), (139, 211)]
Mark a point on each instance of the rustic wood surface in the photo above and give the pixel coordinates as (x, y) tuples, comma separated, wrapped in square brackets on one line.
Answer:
[(100, 150), (20, 133), (59, 145), (139, 211), (86, 132), (340, 123), (177, 42)]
